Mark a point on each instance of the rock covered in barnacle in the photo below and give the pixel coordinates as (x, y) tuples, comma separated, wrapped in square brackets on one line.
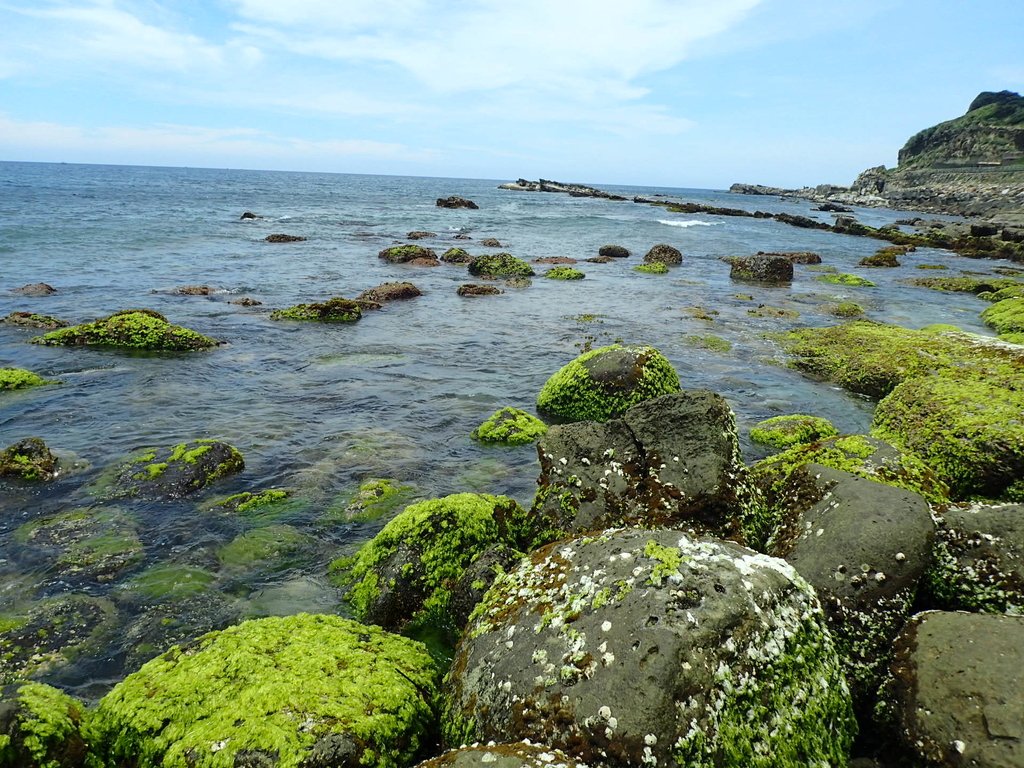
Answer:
[(521, 754), (649, 647)]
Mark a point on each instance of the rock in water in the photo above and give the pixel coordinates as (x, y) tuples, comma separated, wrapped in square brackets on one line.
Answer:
[(173, 473), (29, 459), (136, 329), (647, 647), (454, 201), (41, 727), (662, 253), (763, 268)]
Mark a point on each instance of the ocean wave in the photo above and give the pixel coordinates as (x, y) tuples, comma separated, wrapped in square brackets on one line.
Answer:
[(687, 223)]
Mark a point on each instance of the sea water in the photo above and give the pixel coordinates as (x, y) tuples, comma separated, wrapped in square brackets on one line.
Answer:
[(320, 408)]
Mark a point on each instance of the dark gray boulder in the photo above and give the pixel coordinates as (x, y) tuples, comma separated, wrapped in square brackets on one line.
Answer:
[(761, 268), (864, 547), (648, 647), (171, 473), (454, 201), (662, 253), (959, 689), (35, 289), (390, 292), (613, 251)]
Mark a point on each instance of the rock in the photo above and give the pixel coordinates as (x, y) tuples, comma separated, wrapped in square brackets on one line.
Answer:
[(842, 278), (419, 234), (555, 260), (490, 242), (402, 578), (309, 690), (662, 253), (846, 309), (335, 310), (637, 647), (454, 201), (656, 268), (374, 499), (270, 549), (282, 238), (246, 301), (402, 254), (604, 382), (564, 273), (978, 562), (763, 310), (248, 216), (500, 265), (424, 261), (35, 290), (253, 503), (136, 329), (172, 473), (19, 378), (194, 290), (797, 257), (472, 289), (613, 251), (796, 429), (390, 292), (29, 459), (32, 320), (670, 461), (883, 257), (761, 269), (864, 547), (1007, 318), (803, 222), (957, 681), (573, 190), (510, 426), (518, 755), (456, 256), (600, 260), (462, 236), (41, 727), (833, 208)]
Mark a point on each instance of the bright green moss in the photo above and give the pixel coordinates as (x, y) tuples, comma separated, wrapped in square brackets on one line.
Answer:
[(43, 728), (564, 273), (656, 268), (500, 265), (336, 310), (966, 284), (19, 378), (510, 426), (374, 499), (400, 254), (797, 429), (271, 547), (843, 278), (247, 501), (1006, 316), (668, 561), (709, 342), (605, 382), (456, 256), (846, 309), (132, 329), (274, 691)]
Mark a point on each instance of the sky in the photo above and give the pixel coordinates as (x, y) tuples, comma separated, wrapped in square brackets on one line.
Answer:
[(679, 93)]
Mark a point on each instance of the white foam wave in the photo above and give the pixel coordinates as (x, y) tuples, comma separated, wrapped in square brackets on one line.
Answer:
[(687, 223)]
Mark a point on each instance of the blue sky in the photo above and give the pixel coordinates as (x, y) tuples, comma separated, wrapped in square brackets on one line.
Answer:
[(684, 93)]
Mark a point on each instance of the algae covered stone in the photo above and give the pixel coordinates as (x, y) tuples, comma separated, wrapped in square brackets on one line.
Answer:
[(19, 378), (656, 268), (1006, 317), (41, 727), (605, 382), (663, 253), (336, 310), (795, 429), (130, 329), (172, 473), (500, 265), (373, 499), (649, 647), (29, 459), (843, 278), (405, 574), (510, 426), (564, 273), (298, 690)]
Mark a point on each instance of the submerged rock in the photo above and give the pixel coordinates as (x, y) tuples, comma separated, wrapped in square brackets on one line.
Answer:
[(131, 329), (491, 242), (500, 265), (474, 289), (663, 253), (510, 426), (521, 754), (33, 320), (300, 690), (35, 290), (374, 499), (29, 459), (790, 430), (390, 292), (19, 378), (41, 727), (283, 238), (419, 234), (648, 647), (172, 473), (336, 310), (604, 382)]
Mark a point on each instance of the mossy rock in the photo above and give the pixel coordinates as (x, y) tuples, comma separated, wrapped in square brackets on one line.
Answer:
[(605, 382), (271, 503), (778, 313), (91, 544), (29, 460), (19, 378), (1006, 316), (846, 309), (657, 268), (132, 329), (663, 253), (170, 473), (500, 265), (843, 278), (402, 579), (510, 426), (564, 273), (33, 320), (795, 429), (335, 310), (966, 284), (300, 690), (456, 256), (167, 582), (41, 727), (402, 254), (1010, 292), (270, 548), (884, 257), (372, 500), (709, 342)]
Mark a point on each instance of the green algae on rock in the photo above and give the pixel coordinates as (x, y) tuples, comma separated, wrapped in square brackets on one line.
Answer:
[(456, 256), (564, 273), (790, 430), (656, 268), (334, 310), (41, 727), (846, 309), (967, 284), (30, 460), (709, 341), (299, 690), (1005, 316), (402, 254), (171, 473), (373, 499), (131, 329), (843, 278), (510, 426), (405, 574), (500, 265), (168, 582), (251, 503), (605, 382), (33, 320), (19, 378), (649, 647), (271, 548)]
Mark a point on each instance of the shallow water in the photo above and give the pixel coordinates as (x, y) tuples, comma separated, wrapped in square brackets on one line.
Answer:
[(320, 408)]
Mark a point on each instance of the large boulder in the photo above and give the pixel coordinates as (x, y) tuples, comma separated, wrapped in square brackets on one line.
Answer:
[(500, 265), (648, 647), (297, 690), (672, 461), (605, 382), (131, 329), (762, 268), (613, 251), (171, 473), (41, 727), (29, 459), (958, 684), (662, 253), (864, 547)]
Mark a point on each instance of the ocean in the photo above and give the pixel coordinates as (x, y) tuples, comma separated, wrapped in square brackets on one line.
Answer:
[(321, 408)]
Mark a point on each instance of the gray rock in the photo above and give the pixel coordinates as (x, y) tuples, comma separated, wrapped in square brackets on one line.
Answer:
[(171, 473), (454, 201), (762, 268), (518, 755), (613, 251), (959, 689), (979, 560), (864, 547), (640, 647), (35, 289), (662, 253)]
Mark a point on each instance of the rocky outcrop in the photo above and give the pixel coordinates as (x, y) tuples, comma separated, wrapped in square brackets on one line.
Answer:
[(29, 459), (475, 289), (390, 292), (283, 238), (35, 290), (454, 201), (762, 268), (133, 329), (663, 253), (575, 190), (172, 473)]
